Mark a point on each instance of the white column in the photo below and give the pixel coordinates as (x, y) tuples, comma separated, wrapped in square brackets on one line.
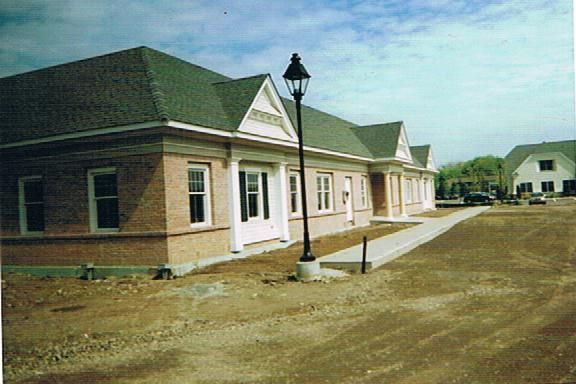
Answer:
[(432, 189), (388, 194), (282, 201), (401, 192), (236, 244), (421, 186)]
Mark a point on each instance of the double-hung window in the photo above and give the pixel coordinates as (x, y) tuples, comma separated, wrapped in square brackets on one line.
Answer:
[(324, 191), (253, 194), (547, 186), (364, 191), (199, 194), (31, 193), (546, 165), (408, 191), (525, 187), (103, 196), (294, 181), (254, 199)]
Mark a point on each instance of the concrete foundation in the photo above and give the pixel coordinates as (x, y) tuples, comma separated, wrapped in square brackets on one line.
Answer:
[(308, 270)]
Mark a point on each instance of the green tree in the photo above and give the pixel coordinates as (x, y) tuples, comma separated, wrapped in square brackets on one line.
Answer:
[(476, 171)]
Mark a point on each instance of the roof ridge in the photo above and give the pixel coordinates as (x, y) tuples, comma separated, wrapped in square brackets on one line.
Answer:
[(73, 62), (546, 142), (158, 98), (379, 124), (241, 79)]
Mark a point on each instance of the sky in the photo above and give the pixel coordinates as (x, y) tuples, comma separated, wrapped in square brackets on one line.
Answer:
[(469, 77)]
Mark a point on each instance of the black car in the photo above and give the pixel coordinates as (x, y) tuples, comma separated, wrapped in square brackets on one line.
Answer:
[(478, 197)]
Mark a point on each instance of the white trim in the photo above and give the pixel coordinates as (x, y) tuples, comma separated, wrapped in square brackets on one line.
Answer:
[(22, 212), (267, 86), (298, 211), (330, 191), (92, 198), (348, 195), (207, 194), (236, 244), (259, 198), (283, 202), (92, 132), (364, 199)]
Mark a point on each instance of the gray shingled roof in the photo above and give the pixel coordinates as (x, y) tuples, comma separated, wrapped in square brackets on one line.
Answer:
[(94, 93), (326, 131), (420, 154), (380, 139), (519, 153), (142, 85)]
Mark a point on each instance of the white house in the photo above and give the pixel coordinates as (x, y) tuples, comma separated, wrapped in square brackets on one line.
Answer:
[(546, 167)]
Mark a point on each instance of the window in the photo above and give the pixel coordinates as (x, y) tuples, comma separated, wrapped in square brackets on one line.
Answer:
[(324, 187), (546, 165), (294, 181), (525, 187), (31, 200), (416, 189), (254, 202), (253, 191), (569, 187), (547, 186), (103, 192), (364, 191), (198, 190), (408, 191)]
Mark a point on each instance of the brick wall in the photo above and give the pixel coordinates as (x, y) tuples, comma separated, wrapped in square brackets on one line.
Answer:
[(187, 244), (113, 250), (176, 184), (67, 239)]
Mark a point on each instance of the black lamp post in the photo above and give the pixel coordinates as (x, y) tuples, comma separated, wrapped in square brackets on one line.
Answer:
[(296, 78)]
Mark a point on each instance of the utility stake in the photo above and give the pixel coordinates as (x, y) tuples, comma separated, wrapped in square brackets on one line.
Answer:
[(364, 245)]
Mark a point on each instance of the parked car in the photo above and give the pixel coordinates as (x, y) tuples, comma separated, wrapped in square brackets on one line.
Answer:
[(478, 197), (537, 198)]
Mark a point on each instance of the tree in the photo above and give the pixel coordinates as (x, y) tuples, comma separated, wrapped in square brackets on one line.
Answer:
[(476, 172), (441, 189)]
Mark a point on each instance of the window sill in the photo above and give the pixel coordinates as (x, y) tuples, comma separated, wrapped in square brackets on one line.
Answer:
[(32, 234), (106, 230)]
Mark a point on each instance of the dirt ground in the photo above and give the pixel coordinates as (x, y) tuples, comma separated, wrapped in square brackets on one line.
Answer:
[(491, 301)]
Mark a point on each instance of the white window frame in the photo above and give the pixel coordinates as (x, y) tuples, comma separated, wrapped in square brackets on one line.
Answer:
[(92, 198), (22, 211), (297, 193), (364, 191), (416, 190), (259, 199), (320, 193), (408, 191), (205, 169)]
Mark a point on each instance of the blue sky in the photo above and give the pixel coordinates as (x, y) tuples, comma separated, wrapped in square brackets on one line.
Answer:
[(471, 77)]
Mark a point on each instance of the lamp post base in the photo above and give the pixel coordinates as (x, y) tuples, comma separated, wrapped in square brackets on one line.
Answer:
[(307, 270)]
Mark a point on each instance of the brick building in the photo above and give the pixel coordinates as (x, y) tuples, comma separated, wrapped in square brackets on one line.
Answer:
[(138, 158)]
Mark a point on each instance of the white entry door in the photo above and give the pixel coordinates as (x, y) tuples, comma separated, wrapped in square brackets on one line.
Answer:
[(348, 198)]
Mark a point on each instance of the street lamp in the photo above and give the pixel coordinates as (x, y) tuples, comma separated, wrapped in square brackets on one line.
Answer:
[(297, 78)]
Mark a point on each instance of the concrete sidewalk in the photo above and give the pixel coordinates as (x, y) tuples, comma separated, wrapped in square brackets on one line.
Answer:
[(387, 248)]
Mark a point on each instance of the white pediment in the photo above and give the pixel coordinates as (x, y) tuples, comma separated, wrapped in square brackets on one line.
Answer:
[(267, 117), (430, 163), (403, 147), (265, 104)]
